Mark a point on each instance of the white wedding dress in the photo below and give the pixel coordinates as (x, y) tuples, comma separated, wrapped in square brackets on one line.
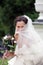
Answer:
[(31, 50), (26, 56), (22, 57)]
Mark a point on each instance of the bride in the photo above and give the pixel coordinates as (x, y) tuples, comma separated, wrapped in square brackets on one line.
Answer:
[(29, 49)]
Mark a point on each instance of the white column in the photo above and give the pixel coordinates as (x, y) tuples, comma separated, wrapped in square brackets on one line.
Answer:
[(39, 8)]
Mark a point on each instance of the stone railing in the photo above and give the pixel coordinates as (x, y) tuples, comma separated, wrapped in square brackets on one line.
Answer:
[(39, 28)]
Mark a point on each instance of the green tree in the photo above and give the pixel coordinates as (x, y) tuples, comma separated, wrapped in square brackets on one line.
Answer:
[(9, 9)]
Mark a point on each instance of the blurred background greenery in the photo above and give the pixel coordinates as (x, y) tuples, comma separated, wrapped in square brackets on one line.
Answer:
[(9, 9)]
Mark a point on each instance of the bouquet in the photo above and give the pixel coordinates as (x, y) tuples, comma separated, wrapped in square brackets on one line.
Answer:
[(9, 43)]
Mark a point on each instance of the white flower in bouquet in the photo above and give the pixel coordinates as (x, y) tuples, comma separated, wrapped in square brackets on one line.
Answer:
[(5, 37), (12, 38)]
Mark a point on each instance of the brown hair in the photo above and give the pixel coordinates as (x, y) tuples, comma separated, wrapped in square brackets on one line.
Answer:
[(21, 18)]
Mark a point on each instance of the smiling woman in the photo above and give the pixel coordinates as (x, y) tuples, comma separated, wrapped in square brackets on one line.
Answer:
[(29, 49), (20, 24)]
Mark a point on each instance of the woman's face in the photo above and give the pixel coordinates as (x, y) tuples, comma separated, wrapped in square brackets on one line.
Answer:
[(20, 25)]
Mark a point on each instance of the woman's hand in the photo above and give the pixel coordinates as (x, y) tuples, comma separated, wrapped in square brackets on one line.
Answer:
[(8, 55), (16, 36)]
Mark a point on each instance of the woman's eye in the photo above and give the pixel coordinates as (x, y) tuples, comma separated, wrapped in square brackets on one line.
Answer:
[(22, 26), (18, 26)]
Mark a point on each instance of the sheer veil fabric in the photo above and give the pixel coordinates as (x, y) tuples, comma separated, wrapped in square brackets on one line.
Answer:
[(30, 45), (28, 35)]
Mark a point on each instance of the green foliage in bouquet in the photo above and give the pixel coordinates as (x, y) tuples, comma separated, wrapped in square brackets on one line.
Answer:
[(9, 46), (3, 62)]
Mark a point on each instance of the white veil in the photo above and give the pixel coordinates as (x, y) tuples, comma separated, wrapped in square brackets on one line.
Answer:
[(32, 40), (28, 35)]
